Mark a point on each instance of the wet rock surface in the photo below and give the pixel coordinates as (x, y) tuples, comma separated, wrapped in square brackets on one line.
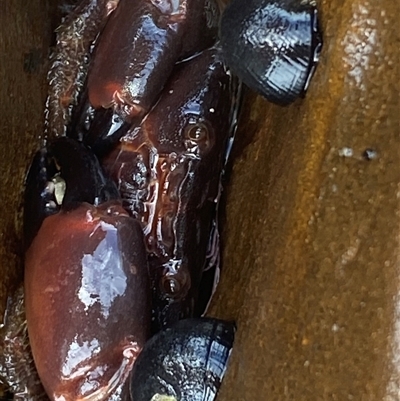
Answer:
[(312, 226), (25, 36), (311, 237)]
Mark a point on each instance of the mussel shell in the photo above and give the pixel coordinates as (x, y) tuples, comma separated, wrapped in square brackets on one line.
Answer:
[(185, 362), (272, 45)]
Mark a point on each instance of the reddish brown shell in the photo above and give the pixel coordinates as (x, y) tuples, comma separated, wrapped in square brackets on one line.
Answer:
[(87, 301)]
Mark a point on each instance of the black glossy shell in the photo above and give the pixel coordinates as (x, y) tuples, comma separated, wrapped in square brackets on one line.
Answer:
[(272, 45), (79, 168), (183, 363)]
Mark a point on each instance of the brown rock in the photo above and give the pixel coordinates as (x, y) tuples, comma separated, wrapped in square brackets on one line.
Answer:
[(311, 257), (25, 35)]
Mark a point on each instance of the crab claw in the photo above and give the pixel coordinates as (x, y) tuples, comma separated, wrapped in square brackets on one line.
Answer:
[(145, 39), (100, 128), (86, 282), (45, 191)]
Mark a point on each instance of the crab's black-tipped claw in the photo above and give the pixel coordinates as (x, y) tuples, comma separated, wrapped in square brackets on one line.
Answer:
[(100, 129), (63, 174), (83, 175), (40, 200)]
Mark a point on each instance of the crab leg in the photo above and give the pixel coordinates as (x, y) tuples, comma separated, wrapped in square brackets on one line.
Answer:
[(70, 60)]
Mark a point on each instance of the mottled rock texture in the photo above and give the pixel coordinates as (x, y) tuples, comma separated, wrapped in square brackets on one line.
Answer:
[(311, 256), (312, 231), (25, 36)]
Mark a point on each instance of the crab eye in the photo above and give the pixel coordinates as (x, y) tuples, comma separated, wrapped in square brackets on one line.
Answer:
[(199, 137), (175, 284), (171, 286), (197, 132)]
